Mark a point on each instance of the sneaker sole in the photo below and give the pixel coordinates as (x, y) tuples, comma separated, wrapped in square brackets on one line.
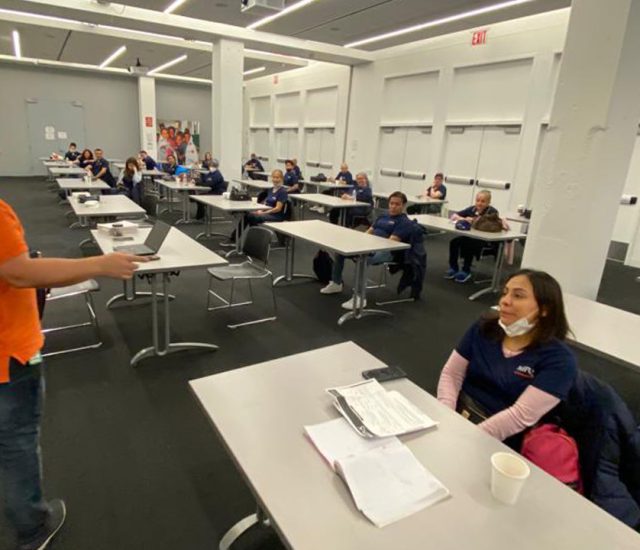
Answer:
[(462, 281), (327, 292), (55, 531)]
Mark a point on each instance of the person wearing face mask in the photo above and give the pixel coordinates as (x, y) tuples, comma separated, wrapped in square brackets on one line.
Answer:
[(512, 368)]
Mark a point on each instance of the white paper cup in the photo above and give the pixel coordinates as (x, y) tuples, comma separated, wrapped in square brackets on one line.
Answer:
[(508, 475)]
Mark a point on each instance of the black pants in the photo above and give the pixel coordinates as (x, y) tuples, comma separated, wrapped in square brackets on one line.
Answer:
[(466, 248)]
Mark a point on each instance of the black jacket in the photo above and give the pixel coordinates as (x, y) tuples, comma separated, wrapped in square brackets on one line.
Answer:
[(412, 262)]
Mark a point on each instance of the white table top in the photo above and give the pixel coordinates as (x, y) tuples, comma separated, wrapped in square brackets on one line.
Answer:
[(219, 202), (62, 170), (327, 184), (259, 412), (171, 184), (109, 205), (412, 199), (178, 251), (444, 224), (258, 184), (336, 238), (326, 200), (58, 163), (515, 217), (604, 329), (80, 185)]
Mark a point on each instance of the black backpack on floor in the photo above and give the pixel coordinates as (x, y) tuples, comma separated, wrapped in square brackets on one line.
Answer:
[(323, 266)]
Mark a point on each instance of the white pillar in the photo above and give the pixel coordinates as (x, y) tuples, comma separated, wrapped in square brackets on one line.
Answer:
[(147, 115), (587, 150), (226, 94)]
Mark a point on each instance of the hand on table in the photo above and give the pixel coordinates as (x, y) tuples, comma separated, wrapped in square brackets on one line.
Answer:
[(120, 266)]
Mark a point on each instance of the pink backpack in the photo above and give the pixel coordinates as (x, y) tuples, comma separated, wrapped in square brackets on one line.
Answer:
[(551, 448)]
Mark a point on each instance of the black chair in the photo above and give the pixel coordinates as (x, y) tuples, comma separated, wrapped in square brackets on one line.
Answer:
[(256, 247)]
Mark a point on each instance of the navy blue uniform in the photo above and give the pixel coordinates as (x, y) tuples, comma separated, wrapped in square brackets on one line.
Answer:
[(398, 226), (71, 155), (215, 181), (297, 170), (345, 177), (169, 169), (291, 178), (255, 164), (274, 196), (363, 194), (496, 381), (85, 162), (107, 177), (149, 163), (442, 189)]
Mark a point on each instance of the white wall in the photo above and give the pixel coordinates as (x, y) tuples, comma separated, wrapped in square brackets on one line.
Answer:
[(110, 111), (302, 115)]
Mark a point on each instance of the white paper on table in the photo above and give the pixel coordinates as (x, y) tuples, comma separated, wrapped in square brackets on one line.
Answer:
[(383, 413), (336, 440), (389, 483)]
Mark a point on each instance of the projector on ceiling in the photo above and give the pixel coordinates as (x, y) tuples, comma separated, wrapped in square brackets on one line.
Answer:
[(262, 7), (138, 69)]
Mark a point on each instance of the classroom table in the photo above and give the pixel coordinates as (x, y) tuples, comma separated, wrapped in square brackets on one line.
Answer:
[(144, 172), (259, 412), (419, 200), (443, 224), (109, 206), (261, 174), (328, 201), (71, 170), (237, 210), (178, 252), (57, 163), (333, 185), (341, 240), (261, 185), (79, 184), (184, 189)]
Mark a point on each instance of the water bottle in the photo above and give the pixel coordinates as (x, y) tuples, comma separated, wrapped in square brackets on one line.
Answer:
[(353, 195)]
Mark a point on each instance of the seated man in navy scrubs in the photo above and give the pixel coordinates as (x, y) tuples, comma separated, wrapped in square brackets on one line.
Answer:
[(215, 181), (436, 190), (72, 154), (296, 169), (100, 169), (344, 176), (148, 161), (253, 165), (360, 191), (291, 178), (394, 225)]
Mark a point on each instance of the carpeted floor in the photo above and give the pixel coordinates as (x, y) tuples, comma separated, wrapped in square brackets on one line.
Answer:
[(130, 450)]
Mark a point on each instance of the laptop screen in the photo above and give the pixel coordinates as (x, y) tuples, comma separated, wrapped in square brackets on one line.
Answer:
[(157, 235)]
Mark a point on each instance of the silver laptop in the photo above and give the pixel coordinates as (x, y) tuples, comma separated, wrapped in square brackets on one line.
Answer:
[(152, 243)]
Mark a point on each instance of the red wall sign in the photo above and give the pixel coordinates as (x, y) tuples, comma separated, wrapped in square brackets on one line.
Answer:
[(479, 38), (148, 121)]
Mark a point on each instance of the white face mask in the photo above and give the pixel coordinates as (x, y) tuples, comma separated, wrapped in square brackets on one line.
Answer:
[(517, 328)]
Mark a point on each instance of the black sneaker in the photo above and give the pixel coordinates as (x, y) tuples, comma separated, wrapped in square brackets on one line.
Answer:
[(57, 515), (228, 244)]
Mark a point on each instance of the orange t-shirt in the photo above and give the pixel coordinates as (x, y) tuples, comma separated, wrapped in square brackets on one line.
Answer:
[(20, 334)]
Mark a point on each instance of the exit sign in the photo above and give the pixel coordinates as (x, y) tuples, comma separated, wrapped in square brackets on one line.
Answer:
[(479, 37)]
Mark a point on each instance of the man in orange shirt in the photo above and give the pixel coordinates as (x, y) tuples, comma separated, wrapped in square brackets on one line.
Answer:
[(21, 385)]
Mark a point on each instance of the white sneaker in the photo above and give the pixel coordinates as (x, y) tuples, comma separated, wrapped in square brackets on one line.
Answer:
[(332, 288), (314, 208), (349, 304), (320, 210)]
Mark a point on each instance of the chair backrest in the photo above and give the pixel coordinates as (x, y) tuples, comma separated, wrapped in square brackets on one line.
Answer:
[(257, 244), (287, 211), (150, 204)]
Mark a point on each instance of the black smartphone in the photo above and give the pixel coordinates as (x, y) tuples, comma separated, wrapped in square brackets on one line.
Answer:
[(384, 374), (120, 238)]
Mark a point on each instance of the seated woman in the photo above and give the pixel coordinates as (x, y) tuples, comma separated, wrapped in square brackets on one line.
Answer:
[(360, 192), (130, 180), (207, 160), (170, 166), (275, 202), (512, 367), (291, 178), (467, 247), (86, 159)]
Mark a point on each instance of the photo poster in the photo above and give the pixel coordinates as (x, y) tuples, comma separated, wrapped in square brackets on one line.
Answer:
[(180, 138)]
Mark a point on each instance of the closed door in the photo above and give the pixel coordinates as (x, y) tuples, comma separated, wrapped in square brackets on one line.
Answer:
[(313, 143), (416, 167), (259, 144), (391, 159), (52, 125), (327, 149), (461, 154)]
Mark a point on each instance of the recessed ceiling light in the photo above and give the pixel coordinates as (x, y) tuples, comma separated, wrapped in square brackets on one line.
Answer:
[(167, 64), (254, 71), (437, 22), (287, 10), (17, 48), (113, 57)]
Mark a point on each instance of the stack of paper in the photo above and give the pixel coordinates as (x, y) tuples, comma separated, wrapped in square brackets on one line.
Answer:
[(386, 480), (376, 412)]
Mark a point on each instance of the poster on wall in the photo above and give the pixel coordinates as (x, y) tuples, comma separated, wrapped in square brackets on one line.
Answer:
[(180, 138)]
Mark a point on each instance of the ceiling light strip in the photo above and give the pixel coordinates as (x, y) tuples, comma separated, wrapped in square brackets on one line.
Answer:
[(17, 47), (174, 6), (282, 13), (167, 65), (437, 22), (113, 57), (254, 71)]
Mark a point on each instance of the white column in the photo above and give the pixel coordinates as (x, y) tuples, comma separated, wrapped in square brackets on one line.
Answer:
[(588, 147), (226, 94), (147, 115)]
